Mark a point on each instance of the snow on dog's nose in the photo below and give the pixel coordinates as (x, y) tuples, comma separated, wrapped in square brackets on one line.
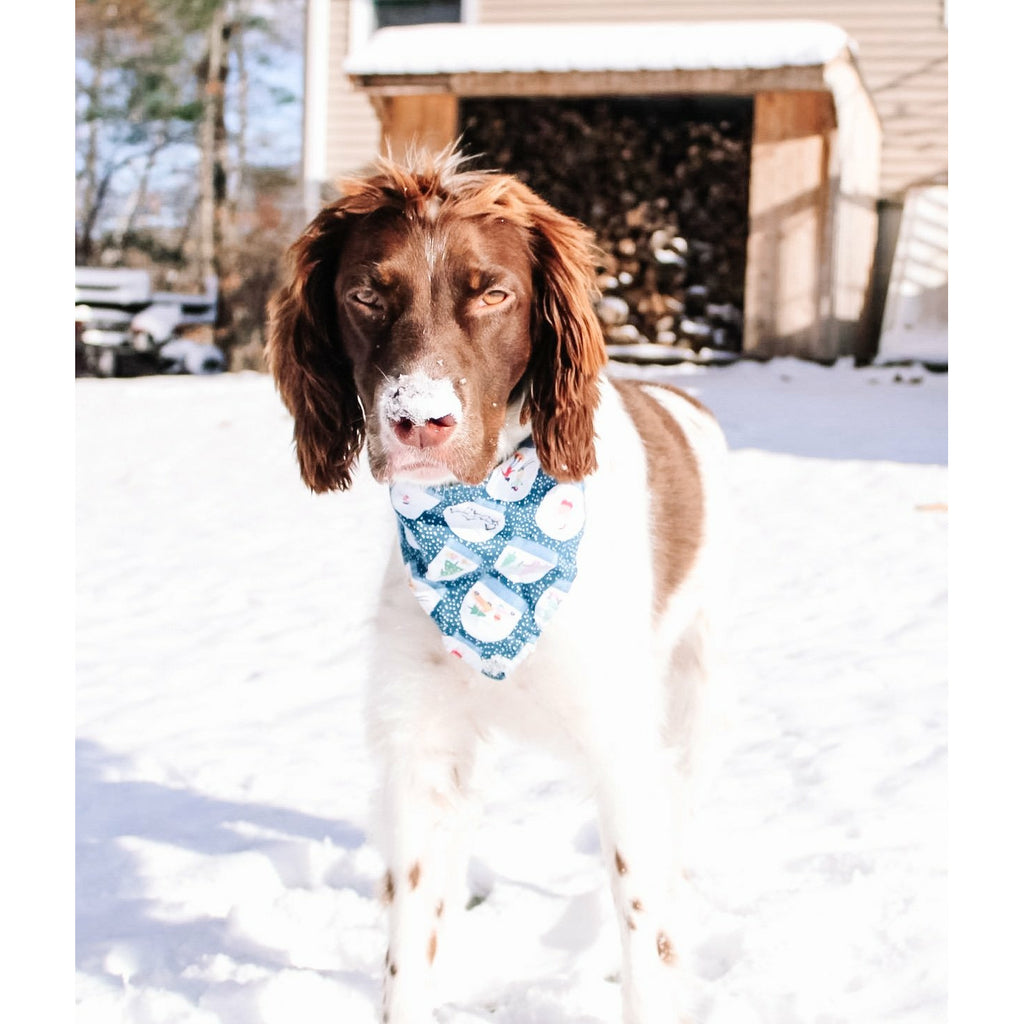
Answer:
[(421, 411)]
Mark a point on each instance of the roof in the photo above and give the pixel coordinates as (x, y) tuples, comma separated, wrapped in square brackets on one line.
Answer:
[(438, 49)]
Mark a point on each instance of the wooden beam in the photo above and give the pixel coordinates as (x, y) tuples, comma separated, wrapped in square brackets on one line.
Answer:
[(787, 289), (705, 81), (419, 121)]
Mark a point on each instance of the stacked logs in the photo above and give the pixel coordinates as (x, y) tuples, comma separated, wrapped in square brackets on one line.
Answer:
[(662, 182)]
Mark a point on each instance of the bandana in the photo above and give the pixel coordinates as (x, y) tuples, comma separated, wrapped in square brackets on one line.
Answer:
[(491, 564)]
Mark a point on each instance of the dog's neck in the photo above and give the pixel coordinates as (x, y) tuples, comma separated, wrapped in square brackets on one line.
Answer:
[(513, 431)]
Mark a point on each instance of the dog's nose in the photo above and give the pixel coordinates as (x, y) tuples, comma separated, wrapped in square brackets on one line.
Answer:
[(428, 434), (421, 411)]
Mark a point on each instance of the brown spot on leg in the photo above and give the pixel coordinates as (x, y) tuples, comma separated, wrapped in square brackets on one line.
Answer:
[(440, 907), (665, 949), (414, 875), (393, 970), (432, 948), (389, 888), (620, 864), (630, 924), (637, 906)]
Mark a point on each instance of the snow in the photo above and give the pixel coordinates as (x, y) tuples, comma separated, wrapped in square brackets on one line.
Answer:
[(224, 874), (420, 398), (596, 46)]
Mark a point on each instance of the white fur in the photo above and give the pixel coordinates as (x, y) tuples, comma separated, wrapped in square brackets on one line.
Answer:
[(610, 686)]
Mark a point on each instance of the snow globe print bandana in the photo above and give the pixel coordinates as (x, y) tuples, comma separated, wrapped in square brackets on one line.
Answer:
[(490, 564)]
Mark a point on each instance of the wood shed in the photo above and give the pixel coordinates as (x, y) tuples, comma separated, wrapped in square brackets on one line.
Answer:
[(814, 145)]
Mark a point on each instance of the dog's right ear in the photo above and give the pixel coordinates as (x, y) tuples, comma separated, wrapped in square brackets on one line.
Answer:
[(306, 355)]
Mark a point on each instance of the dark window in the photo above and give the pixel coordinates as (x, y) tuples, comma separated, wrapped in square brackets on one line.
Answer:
[(416, 12)]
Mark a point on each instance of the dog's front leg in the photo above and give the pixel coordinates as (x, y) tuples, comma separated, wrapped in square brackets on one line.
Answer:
[(426, 813), (635, 809)]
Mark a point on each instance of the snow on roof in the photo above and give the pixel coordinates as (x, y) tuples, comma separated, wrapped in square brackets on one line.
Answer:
[(596, 47)]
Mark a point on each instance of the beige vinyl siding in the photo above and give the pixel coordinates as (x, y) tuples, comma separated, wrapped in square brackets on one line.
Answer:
[(353, 130), (902, 55)]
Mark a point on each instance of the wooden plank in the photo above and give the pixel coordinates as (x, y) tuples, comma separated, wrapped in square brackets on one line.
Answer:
[(786, 290), (712, 81), (411, 122)]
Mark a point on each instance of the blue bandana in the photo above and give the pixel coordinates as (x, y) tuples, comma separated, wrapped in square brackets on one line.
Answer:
[(491, 564)]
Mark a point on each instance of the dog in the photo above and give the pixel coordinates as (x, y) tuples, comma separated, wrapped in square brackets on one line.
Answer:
[(558, 535)]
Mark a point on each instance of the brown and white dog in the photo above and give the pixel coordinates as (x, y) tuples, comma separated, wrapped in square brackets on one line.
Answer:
[(443, 316)]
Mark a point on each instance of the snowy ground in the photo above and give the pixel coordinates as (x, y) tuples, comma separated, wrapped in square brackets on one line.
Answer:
[(223, 871)]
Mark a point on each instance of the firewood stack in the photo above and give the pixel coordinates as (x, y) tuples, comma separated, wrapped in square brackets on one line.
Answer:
[(662, 182)]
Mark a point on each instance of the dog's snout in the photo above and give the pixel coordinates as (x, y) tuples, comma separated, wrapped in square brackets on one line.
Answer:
[(421, 411)]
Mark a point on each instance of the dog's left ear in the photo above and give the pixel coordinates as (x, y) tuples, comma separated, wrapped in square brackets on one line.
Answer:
[(568, 349)]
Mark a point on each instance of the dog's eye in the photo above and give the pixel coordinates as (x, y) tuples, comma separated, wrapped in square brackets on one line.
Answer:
[(366, 297), (493, 297)]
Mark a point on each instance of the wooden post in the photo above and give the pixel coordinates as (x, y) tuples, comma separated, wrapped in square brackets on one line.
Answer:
[(856, 173), (788, 283), (418, 121)]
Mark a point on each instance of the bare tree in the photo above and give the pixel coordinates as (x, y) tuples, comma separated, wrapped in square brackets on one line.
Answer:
[(160, 129), (212, 73)]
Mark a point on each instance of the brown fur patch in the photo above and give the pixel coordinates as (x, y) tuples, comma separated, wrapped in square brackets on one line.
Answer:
[(432, 948), (414, 875), (440, 908), (638, 906), (620, 865), (673, 478), (631, 924), (393, 969), (666, 951), (388, 893)]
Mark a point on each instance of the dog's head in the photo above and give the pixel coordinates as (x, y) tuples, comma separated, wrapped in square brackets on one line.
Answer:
[(439, 315)]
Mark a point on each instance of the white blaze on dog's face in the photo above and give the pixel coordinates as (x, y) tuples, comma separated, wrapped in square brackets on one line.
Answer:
[(436, 316)]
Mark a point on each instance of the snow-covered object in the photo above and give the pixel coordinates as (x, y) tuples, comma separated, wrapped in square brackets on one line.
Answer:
[(187, 356), (158, 320), (916, 320), (612, 310), (595, 46)]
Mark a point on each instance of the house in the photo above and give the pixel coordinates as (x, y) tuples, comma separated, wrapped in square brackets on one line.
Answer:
[(846, 130)]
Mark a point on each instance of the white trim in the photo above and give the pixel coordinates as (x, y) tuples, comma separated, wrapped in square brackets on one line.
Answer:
[(361, 23), (314, 120)]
